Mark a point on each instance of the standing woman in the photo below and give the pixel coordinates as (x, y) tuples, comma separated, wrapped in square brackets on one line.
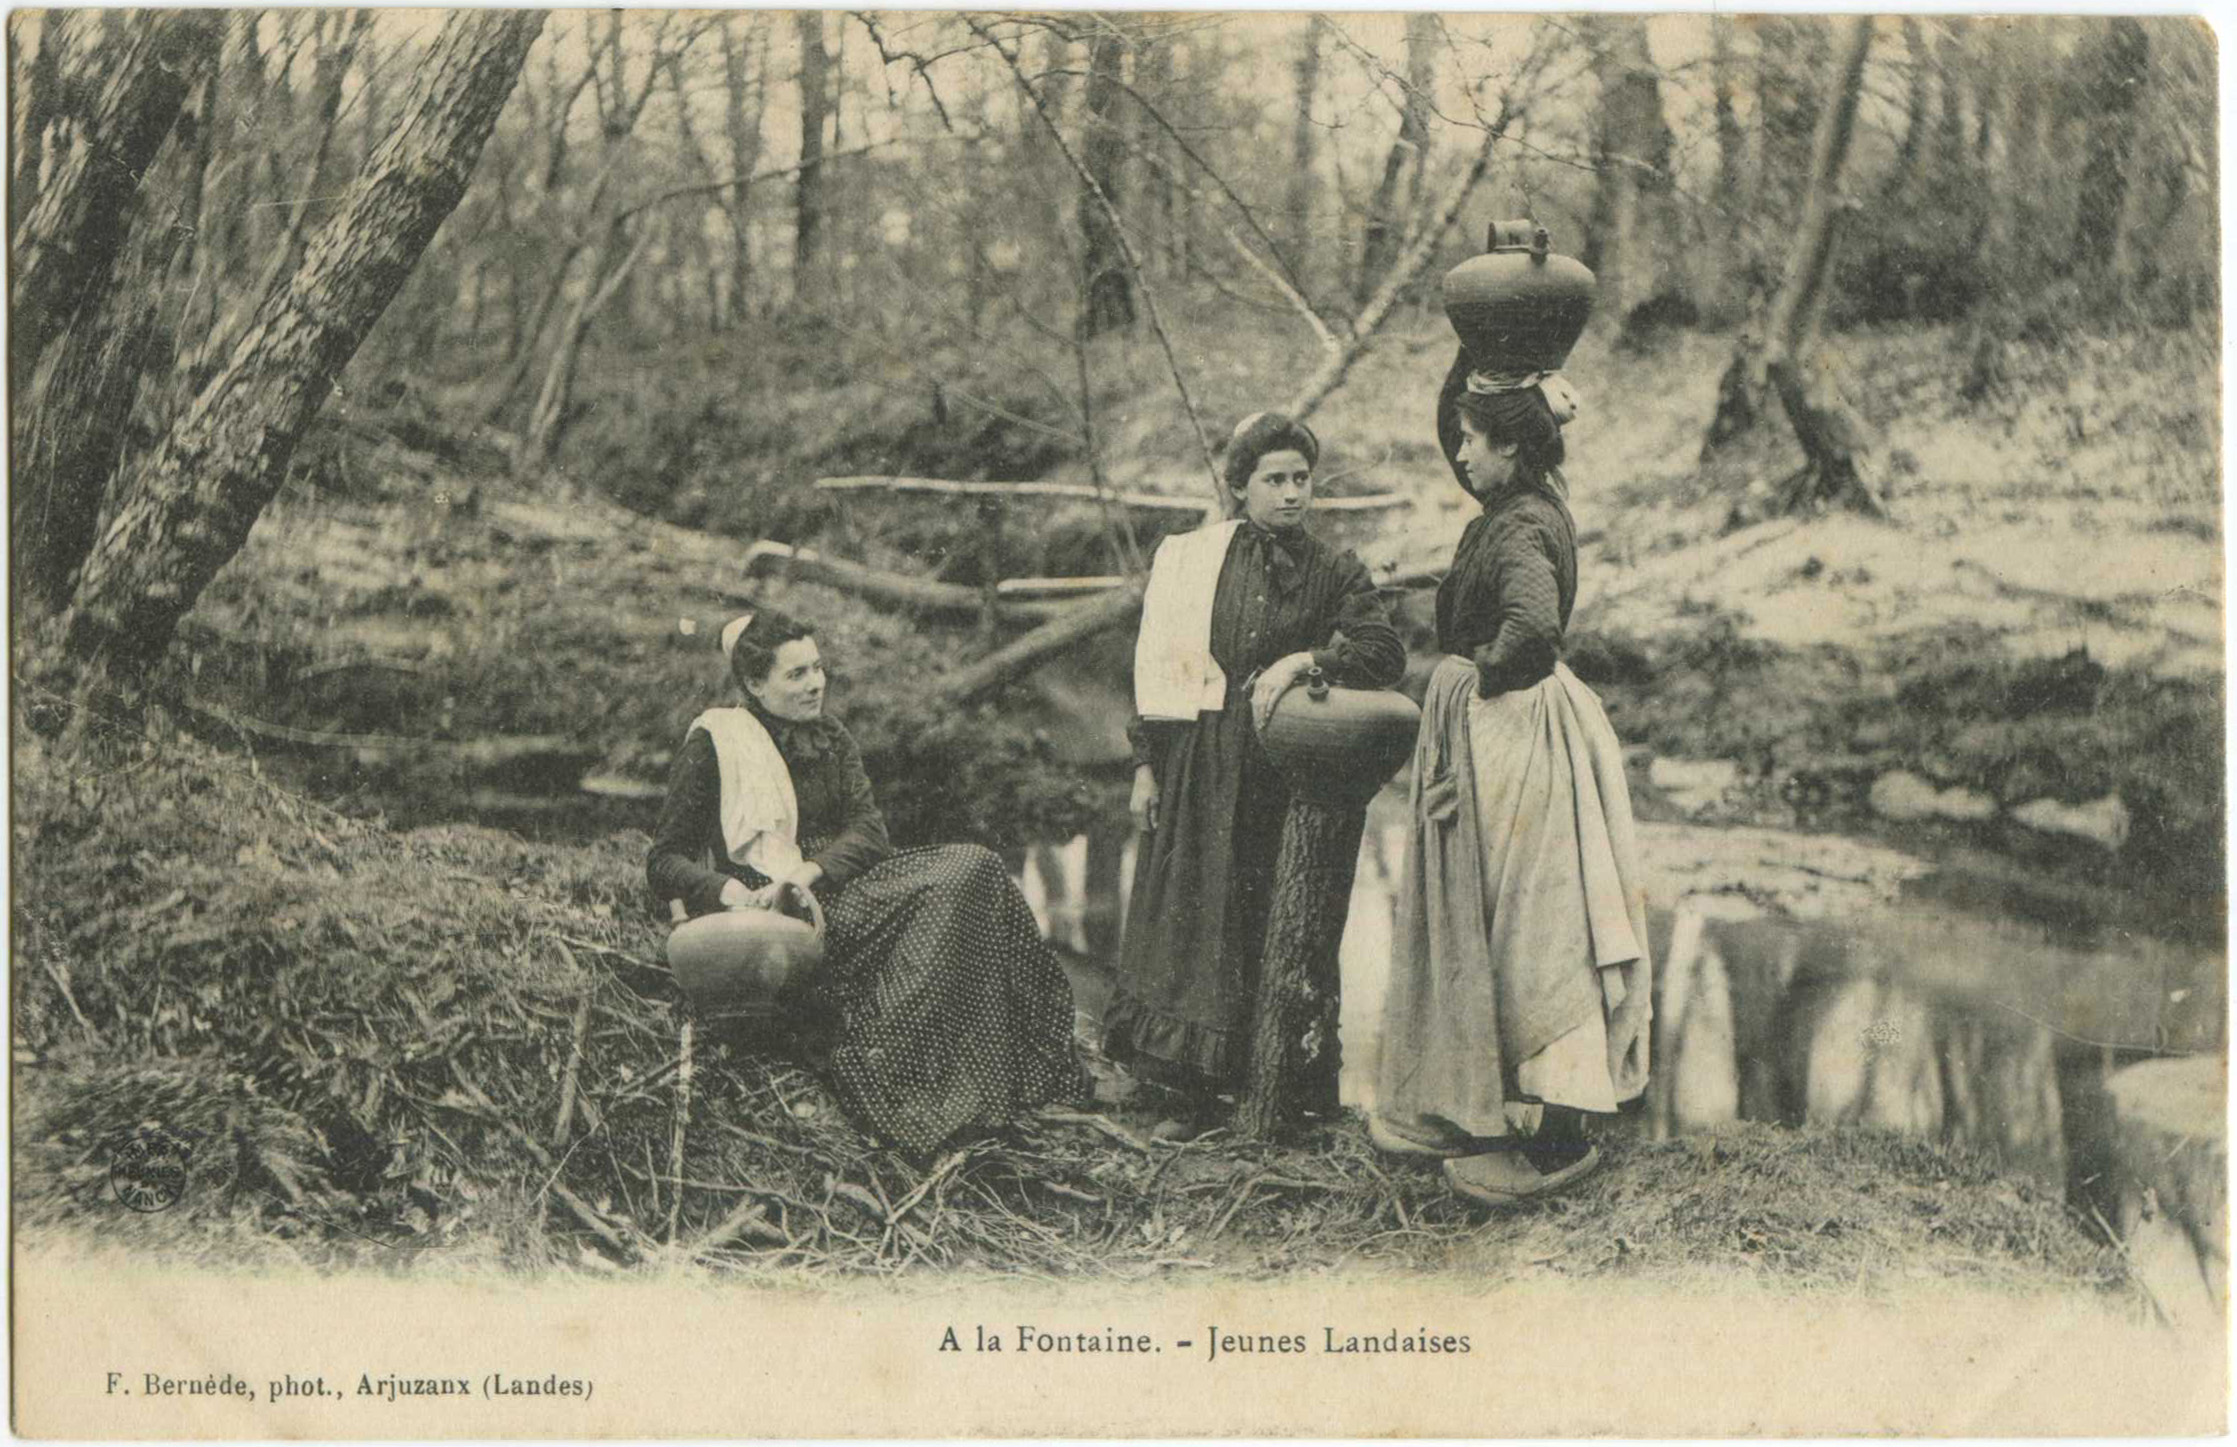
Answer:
[(1519, 996), (937, 1010), (1234, 615)]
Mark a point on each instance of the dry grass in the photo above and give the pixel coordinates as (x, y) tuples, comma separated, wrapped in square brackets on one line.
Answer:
[(366, 1036)]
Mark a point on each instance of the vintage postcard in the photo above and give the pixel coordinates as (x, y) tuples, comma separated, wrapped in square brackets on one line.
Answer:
[(1109, 724)]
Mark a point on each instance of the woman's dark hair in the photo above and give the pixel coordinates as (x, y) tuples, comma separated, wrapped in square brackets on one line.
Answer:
[(1523, 418), (755, 652), (1259, 434)]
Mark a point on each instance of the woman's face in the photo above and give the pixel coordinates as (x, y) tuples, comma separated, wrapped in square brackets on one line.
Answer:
[(1490, 465), (1279, 491), (794, 687)]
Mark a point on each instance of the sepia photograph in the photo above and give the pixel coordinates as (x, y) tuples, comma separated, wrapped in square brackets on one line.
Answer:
[(1115, 723)]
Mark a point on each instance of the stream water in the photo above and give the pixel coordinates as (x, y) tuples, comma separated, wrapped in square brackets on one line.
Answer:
[(1946, 1012)]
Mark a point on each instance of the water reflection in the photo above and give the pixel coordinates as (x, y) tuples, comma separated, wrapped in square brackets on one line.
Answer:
[(1929, 1020)]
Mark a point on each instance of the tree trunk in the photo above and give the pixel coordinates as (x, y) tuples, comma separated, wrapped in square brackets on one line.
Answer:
[(2112, 74), (190, 504), (1905, 164), (68, 242), (555, 399), (74, 437), (1294, 1050), (1634, 147), (1303, 141), (1387, 212), (742, 126), (1107, 286), (1723, 278), (37, 99), (330, 65), (1834, 440), (808, 197)]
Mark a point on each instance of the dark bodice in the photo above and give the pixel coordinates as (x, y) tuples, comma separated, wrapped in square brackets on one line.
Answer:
[(1506, 602), (1284, 593), (841, 828)]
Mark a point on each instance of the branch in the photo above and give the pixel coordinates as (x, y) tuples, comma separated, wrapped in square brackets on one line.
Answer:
[(1152, 501), (1206, 167), (1126, 250), (896, 590), (746, 182), (1378, 308)]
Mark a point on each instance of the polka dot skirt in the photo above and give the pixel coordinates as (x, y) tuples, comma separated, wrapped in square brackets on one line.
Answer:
[(946, 1012)]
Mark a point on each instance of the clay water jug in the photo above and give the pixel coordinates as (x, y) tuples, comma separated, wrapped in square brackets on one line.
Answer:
[(1519, 307), (745, 963), (1337, 746)]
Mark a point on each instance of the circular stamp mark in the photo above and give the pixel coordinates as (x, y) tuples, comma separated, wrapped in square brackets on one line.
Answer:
[(148, 1171)]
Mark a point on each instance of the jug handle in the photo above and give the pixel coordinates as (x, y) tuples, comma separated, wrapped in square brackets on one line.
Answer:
[(815, 906)]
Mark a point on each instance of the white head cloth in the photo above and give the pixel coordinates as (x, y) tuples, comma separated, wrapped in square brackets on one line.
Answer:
[(1561, 398)]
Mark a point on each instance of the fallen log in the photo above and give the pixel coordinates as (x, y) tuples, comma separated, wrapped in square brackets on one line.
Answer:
[(1077, 623), (922, 596), (1079, 491), (1058, 587)]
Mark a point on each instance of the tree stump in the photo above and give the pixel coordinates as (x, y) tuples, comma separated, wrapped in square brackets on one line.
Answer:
[(1294, 1051), (2173, 1182)]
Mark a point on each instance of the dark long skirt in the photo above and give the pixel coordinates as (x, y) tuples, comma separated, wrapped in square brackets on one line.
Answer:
[(940, 1009), (1196, 921)]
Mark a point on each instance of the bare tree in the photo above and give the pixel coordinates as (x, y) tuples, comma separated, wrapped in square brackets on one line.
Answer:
[(743, 100), (1835, 443), (69, 408), (1297, 209), (70, 235), (2110, 72), (1107, 291), (808, 191), (1403, 165), (1632, 156), (187, 507)]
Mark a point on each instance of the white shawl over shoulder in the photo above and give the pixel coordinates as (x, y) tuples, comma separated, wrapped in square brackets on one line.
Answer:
[(1175, 675), (760, 813)]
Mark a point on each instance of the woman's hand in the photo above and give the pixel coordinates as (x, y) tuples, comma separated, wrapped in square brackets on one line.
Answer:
[(1276, 681), (735, 895), (1144, 803)]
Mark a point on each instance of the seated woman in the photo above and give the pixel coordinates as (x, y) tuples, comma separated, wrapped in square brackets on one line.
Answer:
[(1235, 614), (939, 1009)]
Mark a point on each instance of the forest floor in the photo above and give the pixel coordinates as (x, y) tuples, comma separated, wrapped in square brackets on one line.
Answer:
[(367, 1015), (364, 1035)]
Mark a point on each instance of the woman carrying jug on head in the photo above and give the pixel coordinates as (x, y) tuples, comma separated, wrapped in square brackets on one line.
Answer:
[(936, 1010), (1235, 614), (1519, 994)]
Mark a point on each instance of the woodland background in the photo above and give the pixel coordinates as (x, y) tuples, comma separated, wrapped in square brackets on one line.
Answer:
[(396, 398)]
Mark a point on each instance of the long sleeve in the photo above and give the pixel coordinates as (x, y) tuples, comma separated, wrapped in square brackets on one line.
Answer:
[(861, 838), (1527, 638), (1364, 650), (1151, 738), (676, 866)]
